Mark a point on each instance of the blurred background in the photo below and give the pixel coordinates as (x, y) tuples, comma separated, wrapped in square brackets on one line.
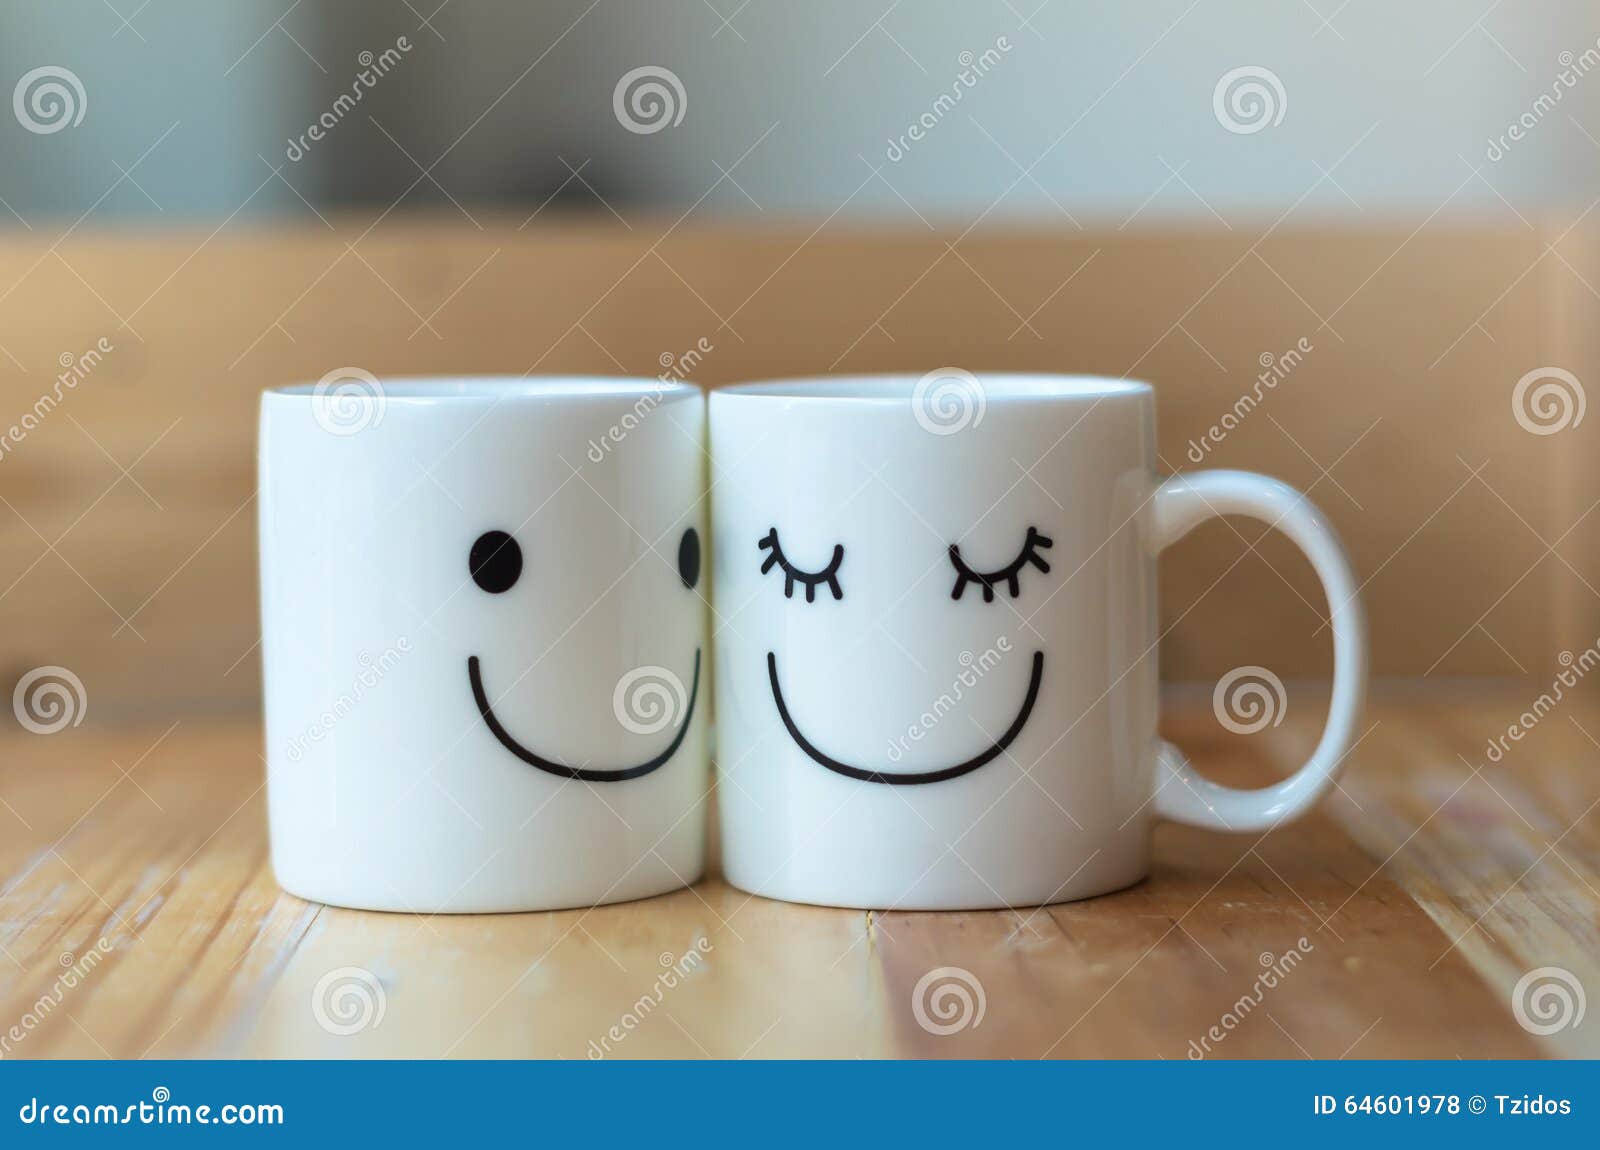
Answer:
[(1353, 245)]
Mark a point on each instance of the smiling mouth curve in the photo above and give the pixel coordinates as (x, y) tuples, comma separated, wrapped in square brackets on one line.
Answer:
[(904, 778), (582, 774)]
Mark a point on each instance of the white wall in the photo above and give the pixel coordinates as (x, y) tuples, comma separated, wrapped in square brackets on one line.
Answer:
[(1109, 106)]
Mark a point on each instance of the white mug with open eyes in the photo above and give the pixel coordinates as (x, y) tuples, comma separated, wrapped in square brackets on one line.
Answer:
[(936, 639), (484, 640)]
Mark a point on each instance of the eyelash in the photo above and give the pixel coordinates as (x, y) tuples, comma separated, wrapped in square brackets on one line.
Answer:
[(792, 574), (1007, 574)]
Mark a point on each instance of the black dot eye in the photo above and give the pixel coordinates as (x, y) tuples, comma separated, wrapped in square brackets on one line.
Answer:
[(689, 558), (495, 562)]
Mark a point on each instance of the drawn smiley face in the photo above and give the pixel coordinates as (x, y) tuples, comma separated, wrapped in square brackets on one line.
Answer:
[(1008, 577), (495, 563)]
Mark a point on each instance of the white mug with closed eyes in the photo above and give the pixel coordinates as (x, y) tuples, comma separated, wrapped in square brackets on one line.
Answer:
[(936, 639)]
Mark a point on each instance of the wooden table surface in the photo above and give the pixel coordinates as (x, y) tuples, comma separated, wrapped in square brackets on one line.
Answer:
[(139, 918)]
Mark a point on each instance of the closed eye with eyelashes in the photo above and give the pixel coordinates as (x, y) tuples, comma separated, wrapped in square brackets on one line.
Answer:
[(1009, 574), (792, 574)]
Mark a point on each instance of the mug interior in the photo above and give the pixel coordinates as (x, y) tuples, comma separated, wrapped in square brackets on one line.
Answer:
[(496, 387), (996, 386)]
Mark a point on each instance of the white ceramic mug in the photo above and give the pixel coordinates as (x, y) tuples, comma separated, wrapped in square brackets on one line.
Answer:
[(483, 635), (936, 639)]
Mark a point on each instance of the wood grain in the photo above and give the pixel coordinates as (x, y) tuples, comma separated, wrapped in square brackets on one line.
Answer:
[(127, 515), (1423, 893)]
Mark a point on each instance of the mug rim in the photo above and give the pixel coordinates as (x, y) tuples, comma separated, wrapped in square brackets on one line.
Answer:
[(469, 388), (899, 387)]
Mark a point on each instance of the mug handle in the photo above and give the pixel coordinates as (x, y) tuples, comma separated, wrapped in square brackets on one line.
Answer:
[(1182, 794)]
